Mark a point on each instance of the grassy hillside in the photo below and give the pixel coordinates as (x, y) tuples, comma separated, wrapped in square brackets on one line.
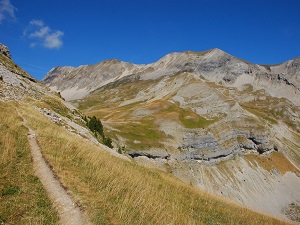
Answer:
[(22, 197), (115, 191), (134, 110)]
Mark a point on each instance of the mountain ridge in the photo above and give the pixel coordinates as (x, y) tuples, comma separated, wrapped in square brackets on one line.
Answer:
[(214, 65)]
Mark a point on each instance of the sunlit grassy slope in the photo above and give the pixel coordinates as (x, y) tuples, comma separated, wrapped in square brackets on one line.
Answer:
[(115, 191), (22, 197)]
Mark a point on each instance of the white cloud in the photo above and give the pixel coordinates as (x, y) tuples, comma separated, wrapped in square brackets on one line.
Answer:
[(7, 10), (53, 40), (43, 34), (39, 23)]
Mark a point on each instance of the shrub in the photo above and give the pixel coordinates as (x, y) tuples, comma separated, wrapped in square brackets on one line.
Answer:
[(10, 190), (121, 150), (96, 126), (108, 142)]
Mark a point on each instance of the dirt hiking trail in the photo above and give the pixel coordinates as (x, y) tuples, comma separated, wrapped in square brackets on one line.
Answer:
[(69, 213)]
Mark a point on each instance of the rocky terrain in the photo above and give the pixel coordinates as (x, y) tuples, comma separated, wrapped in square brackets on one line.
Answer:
[(223, 124), (5, 51), (213, 65)]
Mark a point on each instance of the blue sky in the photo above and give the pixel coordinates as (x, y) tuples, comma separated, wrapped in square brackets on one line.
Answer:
[(49, 33)]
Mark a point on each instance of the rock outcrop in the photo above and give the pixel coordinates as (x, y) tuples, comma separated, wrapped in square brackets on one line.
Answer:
[(5, 51)]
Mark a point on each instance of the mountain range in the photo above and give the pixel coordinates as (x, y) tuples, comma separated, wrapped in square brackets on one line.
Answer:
[(227, 128), (214, 65)]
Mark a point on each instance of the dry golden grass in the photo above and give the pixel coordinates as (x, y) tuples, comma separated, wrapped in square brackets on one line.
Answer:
[(22, 197), (114, 191), (273, 161)]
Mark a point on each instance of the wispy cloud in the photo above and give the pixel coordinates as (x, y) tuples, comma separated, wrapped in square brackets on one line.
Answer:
[(7, 10), (42, 34), (53, 40)]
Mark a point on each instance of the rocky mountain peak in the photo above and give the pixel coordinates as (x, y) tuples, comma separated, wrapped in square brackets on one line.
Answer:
[(214, 65), (4, 50), (218, 52), (112, 61)]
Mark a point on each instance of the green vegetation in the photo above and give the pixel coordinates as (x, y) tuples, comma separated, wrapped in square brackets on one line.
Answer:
[(96, 127), (121, 150), (141, 134), (192, 120), (10, 190), (23, 199), (108, 142), (259, 114)]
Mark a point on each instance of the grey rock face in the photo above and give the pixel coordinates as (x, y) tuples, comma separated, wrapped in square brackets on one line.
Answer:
[(4, 50), (88, 77), (208, 147), (16, 87), (213, 65), (290, 70)]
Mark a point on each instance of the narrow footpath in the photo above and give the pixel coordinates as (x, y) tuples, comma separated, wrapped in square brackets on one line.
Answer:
[(69, 213)]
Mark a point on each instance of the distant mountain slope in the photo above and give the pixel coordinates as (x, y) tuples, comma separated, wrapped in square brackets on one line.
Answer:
[(74, 83), (223, 124)]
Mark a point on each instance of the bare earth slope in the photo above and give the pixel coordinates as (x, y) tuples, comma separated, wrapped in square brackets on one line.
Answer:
[(218, 122)]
